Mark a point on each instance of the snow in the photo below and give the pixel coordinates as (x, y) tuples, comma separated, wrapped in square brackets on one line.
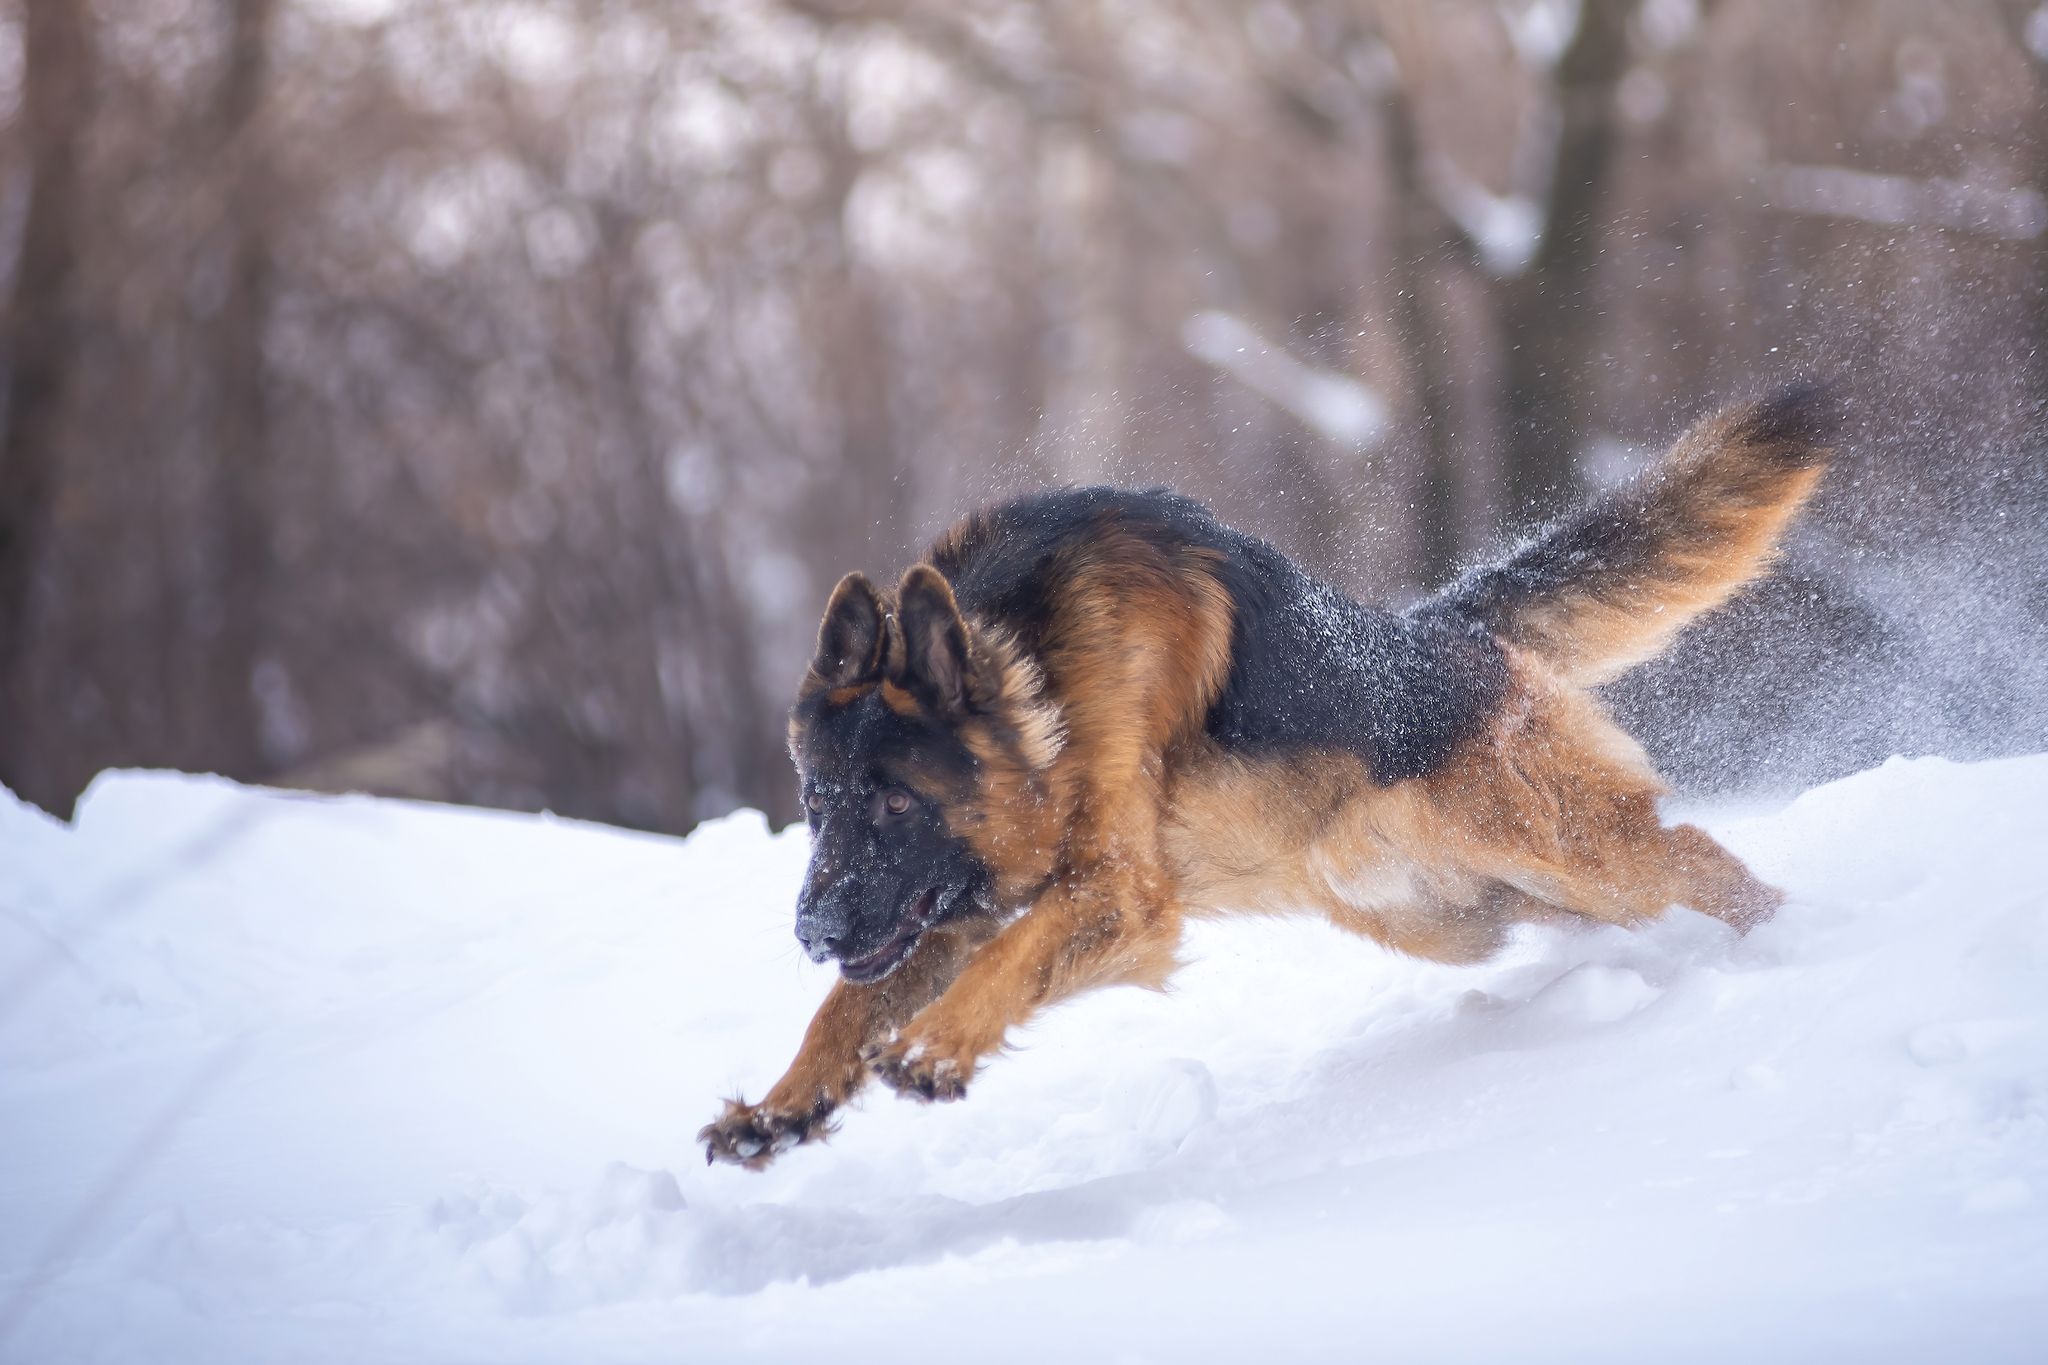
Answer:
[(317, 1079)]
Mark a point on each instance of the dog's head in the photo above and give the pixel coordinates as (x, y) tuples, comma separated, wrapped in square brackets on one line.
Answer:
[(902, 717)]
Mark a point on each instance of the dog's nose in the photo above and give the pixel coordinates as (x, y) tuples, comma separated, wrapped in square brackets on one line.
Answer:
[(818, 943), (820, 930)]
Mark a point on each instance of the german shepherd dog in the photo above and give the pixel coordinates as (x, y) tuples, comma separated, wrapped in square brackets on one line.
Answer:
[(1091, 713)]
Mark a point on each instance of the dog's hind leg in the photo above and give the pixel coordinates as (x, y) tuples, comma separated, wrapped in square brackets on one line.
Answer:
[(1557, 802), (828, 1068), (1645, 868), (1601, 851)]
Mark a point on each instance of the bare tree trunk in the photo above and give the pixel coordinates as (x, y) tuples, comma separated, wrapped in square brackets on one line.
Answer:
[(2028, 24), (40, 337), (852, 330), (220, 719), (658, 578), (1427, 240), (1547, 324)]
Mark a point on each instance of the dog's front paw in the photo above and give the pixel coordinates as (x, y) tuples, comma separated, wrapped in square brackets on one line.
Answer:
[(919, 1071), (752, 1135)]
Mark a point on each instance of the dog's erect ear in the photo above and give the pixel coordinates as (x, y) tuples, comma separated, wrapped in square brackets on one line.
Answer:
[(850, 637), (934, 662)]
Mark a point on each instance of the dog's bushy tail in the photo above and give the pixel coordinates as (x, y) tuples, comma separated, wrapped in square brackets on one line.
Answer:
[(1606, 587)]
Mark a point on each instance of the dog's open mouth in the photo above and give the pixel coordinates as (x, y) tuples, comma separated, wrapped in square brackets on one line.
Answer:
[(874, 966)]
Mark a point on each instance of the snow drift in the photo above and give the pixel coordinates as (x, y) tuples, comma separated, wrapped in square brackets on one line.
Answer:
[(307, 1079)]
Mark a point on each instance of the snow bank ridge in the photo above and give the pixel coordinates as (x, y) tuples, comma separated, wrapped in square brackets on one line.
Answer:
[(465, 1051)]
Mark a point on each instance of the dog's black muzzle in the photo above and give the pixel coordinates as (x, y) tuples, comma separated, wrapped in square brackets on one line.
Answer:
[(829, 927)]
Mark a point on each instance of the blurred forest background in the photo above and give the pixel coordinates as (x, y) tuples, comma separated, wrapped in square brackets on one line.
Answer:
[(476, 399)]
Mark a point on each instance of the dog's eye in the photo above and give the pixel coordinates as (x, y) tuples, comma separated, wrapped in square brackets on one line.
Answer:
[(896, 803), (815, 801)]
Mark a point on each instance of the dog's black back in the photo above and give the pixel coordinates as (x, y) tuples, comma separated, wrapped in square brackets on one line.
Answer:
[(1310, 668)]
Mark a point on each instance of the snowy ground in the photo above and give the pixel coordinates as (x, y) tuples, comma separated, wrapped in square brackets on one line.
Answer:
[(307, 1080)]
